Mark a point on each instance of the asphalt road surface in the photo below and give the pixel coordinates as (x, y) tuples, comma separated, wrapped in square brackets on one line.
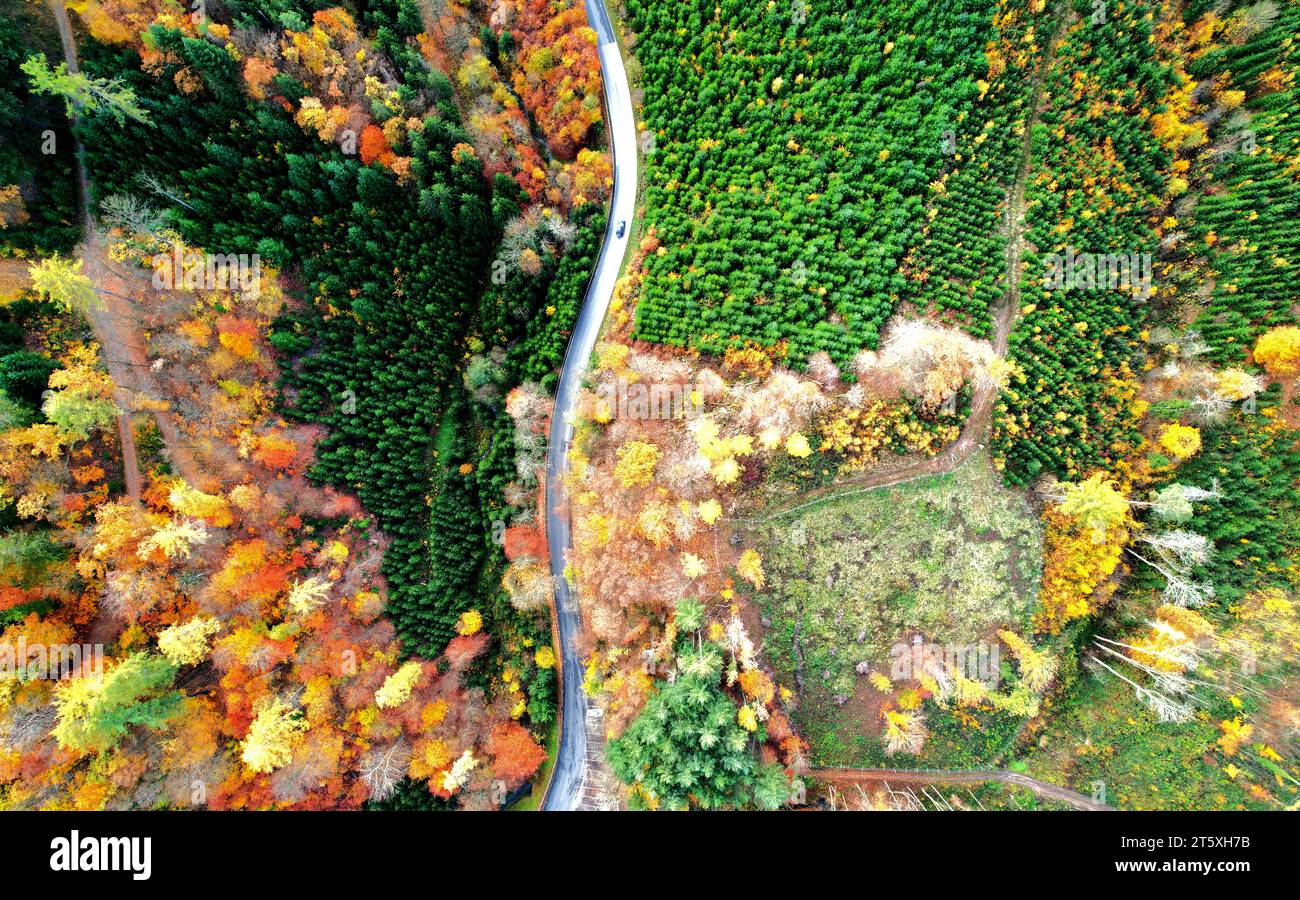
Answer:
[(570, 763)]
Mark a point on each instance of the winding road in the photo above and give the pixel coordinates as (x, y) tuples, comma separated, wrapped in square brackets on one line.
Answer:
[(111, 326), (574, 759), (571, 763)]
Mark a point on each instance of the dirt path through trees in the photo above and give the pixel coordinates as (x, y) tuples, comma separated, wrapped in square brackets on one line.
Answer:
[(107, 332), (974, 435), (856, 777), (116, 320), (974, 432)]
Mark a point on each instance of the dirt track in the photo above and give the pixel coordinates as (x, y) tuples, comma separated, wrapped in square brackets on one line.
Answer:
[(974, 435), (116, 320), (854, 777)]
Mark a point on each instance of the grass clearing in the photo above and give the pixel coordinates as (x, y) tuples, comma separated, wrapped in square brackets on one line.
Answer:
[(950, 558)]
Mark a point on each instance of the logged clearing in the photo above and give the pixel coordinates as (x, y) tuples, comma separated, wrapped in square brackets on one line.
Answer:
[(949, 559)]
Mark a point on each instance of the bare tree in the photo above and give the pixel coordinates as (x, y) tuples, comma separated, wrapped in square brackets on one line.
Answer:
[(151, 183), (126, 212), (383, 767)]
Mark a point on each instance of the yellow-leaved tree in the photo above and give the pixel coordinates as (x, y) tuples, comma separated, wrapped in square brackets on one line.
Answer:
[(96, 711), (187, 643), (1094, 503), (1037, 667), (750, 568), (905, 732), (272, 736), (60, 281), (1278, 351), (636, 463), (397, 687), (1180, 441)]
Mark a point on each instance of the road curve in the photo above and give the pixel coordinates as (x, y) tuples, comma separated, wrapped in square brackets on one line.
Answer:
[(571, 758)]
